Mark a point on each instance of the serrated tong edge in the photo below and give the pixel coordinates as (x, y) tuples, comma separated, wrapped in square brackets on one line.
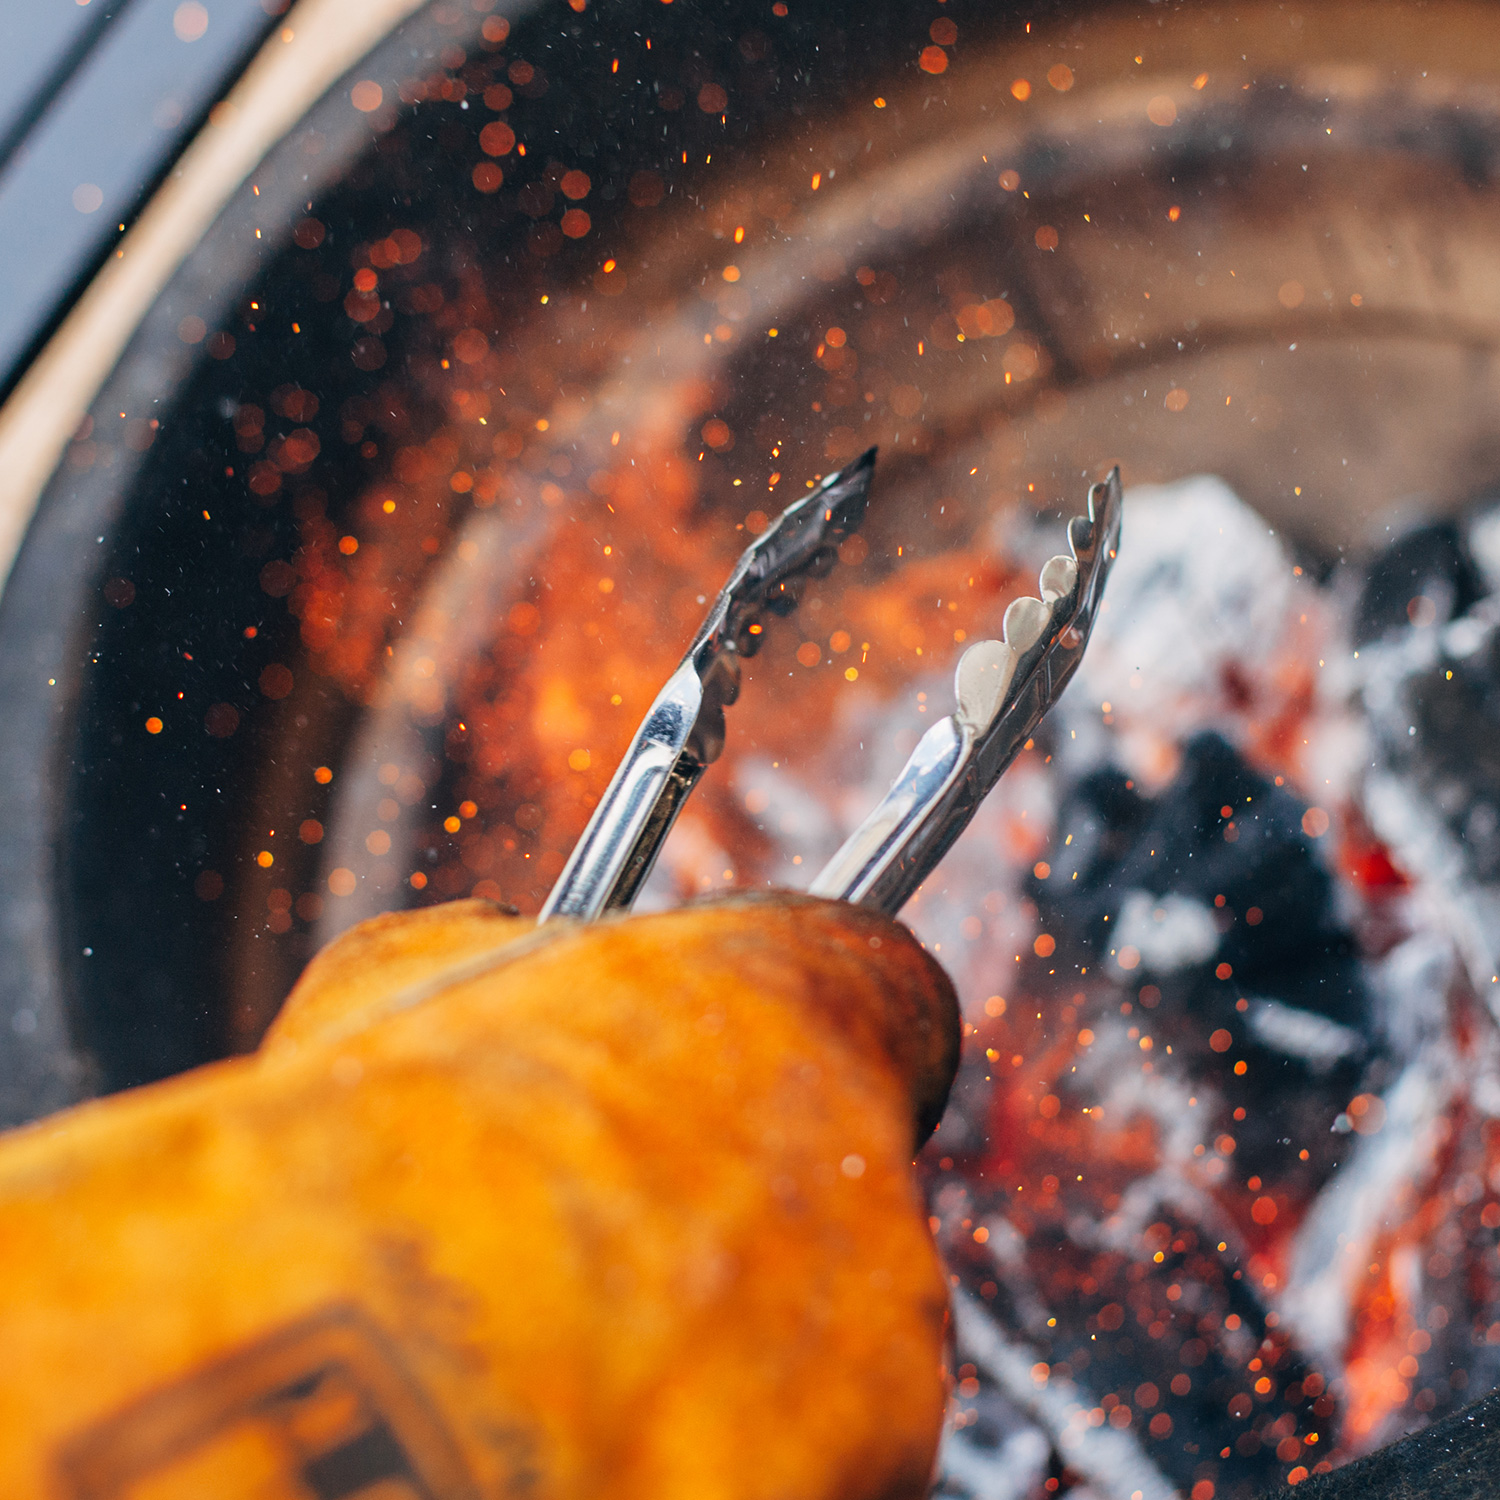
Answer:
[(682, 733), (1003, 689)]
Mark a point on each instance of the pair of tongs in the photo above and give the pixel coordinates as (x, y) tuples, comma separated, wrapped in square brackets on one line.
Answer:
[(1004, 688)]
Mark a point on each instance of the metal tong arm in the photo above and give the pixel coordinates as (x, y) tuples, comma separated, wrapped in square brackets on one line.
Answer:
[(1004, 689), (683, 732)]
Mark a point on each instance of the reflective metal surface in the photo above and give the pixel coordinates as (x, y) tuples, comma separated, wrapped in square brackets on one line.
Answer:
[(1004, 690), (683, 733)]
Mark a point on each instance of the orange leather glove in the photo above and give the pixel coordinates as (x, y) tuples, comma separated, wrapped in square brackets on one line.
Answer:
[(616, 1210)]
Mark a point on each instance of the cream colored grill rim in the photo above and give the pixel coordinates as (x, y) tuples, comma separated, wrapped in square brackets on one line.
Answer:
[(317, 42)]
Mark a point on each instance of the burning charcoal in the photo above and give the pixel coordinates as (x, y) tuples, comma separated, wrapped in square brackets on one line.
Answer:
[(1222, 1153), (1432, 793), (1156, 1357), (1209, 627), (1178, 1342), (1215, 874), (1437, 725), (1141, 1136), (1219, 919), (1427, 577)]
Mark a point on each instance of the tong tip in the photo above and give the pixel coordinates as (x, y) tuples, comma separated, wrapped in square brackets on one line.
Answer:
[(845, 494)]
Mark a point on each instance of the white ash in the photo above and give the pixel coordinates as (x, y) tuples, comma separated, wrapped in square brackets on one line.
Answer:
[(1333, 1246), (1113, 1462), (1012, 1470), (1484, 543), (1197, 601), (1302, 1033), (1411, 985), (1167, 932)]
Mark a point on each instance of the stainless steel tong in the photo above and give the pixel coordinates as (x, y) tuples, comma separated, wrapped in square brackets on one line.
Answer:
[(1004, 688), (683, 733)]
